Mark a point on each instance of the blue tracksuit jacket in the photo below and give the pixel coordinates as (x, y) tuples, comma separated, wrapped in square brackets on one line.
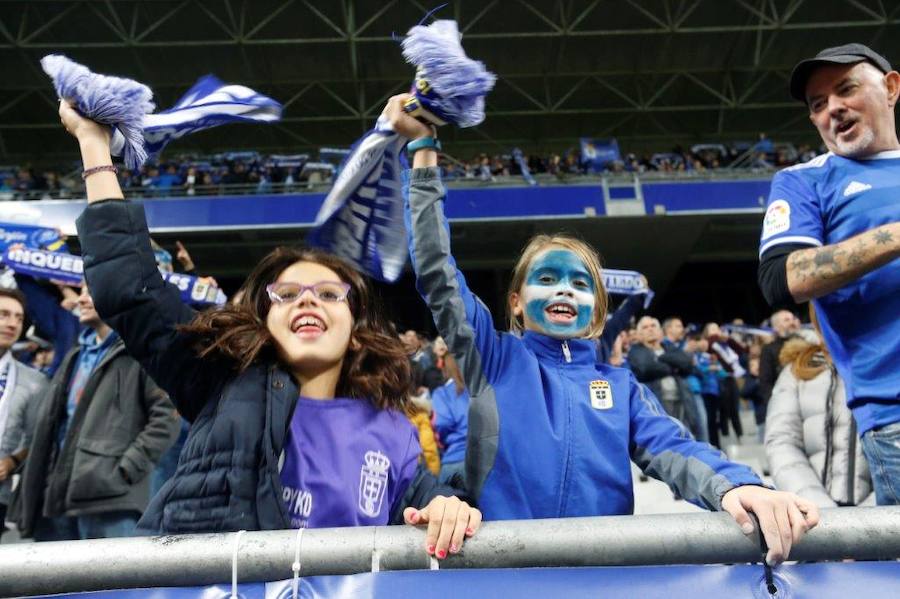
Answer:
[(551, 432)]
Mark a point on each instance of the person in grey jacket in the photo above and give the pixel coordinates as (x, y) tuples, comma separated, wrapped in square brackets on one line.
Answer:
[(663, 368), (811, 436), (101, 429), (21, 389)]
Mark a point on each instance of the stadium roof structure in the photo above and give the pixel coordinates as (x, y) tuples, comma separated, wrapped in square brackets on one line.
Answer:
[(651, 73)]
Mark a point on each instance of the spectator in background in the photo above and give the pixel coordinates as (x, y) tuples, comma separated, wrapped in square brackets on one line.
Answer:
[(100, 430), (420, 416), (710, 371), (617, 323), (434, 376), (662, 369), (673, 329), (207, 185), (618, 355), (811, 438), (190, 181), (695, 346), (450, 403), (752, 392), (785, 325), (43, 358), (725, 350), (21, 390), (168, 180)]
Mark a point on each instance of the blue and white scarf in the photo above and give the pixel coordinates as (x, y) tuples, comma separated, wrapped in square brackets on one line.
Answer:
[(362, 217), (69, 269), (626, 282), (127, 106), (748, 330)]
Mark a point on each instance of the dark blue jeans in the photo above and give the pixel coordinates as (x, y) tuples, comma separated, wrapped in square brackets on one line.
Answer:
[(93, 526), (882, 449)]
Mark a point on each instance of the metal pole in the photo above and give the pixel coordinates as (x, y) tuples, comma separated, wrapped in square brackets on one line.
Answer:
[(196, 560)]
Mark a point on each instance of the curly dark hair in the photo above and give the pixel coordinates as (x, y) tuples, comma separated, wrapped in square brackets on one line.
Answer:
[(378, 370)]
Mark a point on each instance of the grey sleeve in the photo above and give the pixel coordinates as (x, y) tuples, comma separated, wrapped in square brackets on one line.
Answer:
[(461, 318), (37, 394), (159, 433)]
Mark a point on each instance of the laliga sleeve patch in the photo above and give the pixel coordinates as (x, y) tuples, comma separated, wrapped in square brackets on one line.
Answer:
[(601, 395), (777, 219)]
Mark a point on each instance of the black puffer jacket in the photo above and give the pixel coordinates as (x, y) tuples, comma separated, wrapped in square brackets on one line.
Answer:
[(227, 477)]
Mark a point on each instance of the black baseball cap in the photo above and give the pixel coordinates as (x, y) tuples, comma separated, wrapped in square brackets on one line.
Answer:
[(846, 54)]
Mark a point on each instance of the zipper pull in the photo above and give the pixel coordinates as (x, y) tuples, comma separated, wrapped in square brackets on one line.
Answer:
[(566, 353)]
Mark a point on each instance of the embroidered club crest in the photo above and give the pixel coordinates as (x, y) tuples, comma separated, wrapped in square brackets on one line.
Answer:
[(373, 481), (601, 395)]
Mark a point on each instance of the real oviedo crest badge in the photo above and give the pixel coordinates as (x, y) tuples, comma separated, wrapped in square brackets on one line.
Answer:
[(373, 482), (601, 395)]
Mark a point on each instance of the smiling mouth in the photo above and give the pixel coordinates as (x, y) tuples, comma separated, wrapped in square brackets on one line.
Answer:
[(561, 313), (308, 325), (844, 127)]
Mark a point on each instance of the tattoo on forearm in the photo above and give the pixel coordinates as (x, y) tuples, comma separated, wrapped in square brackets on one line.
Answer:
[(883, 237), (843, 261)]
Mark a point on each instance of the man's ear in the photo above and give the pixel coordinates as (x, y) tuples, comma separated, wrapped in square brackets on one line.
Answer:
[(892, 81)]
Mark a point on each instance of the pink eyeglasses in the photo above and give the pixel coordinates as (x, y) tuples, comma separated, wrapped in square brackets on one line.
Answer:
[(326, 291)]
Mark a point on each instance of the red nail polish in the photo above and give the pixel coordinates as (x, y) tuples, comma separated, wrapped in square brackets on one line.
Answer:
[(454, 549), (470, 531), (431, 549), (441, 554)]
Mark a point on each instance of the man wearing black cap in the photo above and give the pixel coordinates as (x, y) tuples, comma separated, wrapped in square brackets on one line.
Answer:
[(831, 234)]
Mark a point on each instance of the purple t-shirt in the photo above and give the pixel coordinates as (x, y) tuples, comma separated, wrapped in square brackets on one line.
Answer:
[(346, 463)]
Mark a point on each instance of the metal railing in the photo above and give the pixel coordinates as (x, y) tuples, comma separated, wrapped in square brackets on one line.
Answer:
[(871, 533)]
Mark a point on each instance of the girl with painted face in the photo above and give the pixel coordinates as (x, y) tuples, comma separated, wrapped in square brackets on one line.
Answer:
[(296, 393), (551, 432)]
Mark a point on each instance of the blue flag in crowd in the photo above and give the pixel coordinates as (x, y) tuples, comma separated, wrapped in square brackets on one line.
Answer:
[(209, 103), (69, 269), (362, 217), (126, 106), (597, 153)]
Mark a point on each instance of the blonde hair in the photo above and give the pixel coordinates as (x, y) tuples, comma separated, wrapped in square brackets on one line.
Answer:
[(588, 256), (807, 359)]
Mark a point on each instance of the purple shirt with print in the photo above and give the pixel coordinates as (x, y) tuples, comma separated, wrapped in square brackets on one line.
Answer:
[(346, 463)]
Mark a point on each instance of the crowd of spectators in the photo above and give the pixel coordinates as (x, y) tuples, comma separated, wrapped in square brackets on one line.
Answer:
[(252, 173)]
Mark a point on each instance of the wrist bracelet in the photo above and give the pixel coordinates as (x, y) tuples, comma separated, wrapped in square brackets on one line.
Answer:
[(423, 143), (99, 169)]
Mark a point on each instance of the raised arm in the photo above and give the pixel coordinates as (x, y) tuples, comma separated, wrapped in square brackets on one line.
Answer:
[(461, 318), (126, 286)]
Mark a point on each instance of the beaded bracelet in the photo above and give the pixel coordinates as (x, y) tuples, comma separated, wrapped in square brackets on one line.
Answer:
[(99, 169)]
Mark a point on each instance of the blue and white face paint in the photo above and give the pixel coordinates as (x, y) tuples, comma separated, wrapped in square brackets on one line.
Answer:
[(558, 295)]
